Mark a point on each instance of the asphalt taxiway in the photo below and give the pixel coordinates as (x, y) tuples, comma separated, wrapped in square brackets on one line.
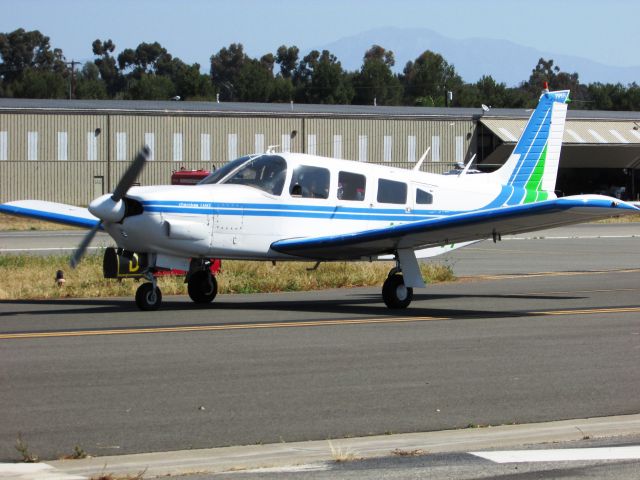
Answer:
[(516, 346)]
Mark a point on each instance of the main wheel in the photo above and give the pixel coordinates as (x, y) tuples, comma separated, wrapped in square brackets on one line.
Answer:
[(202, 287), (395, 293), (147, 298)]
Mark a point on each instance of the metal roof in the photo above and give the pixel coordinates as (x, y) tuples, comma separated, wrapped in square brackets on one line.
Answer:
[(229, 108), (576, 131), (167, 107)]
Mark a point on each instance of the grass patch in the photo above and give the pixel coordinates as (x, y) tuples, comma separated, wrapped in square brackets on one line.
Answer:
[(621, 219), (408, 453), (340, 454), (25, 452), (24, 277)]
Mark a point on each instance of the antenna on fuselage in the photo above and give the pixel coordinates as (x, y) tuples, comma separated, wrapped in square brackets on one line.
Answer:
[(466, 167), (271, 149), (422, 158)]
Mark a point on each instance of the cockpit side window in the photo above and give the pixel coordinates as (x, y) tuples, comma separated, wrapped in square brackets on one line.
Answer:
[(310, 182), (225, 170), (392, 192), (265, 172), (351, 186)]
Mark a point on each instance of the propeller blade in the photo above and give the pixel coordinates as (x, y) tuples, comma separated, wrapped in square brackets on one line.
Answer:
[(131, 174), (82, 248)]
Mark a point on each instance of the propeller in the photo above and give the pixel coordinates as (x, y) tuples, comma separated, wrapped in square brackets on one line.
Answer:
[(111, 208)]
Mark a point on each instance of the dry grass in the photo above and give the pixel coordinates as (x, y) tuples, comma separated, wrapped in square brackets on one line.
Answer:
[(11, 223), (340, 454), (622, 219), (27, 277), (111, 476), (408, 453)]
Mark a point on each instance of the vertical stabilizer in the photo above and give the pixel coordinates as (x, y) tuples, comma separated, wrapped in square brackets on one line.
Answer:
[(532, 168)]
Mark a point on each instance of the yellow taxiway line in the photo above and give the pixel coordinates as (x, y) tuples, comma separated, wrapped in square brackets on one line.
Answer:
[(314, 323)]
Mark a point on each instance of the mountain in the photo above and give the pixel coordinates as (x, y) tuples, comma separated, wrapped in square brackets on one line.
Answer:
[(505, 61)]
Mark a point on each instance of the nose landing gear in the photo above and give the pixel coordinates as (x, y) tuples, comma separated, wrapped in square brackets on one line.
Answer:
[(148, 295)]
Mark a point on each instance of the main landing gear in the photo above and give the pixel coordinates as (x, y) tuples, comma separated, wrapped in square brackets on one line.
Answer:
[(395, 293), (397, 290), (202, 286)]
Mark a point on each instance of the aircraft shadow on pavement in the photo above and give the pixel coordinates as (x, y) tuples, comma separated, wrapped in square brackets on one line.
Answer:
[(357, 304)]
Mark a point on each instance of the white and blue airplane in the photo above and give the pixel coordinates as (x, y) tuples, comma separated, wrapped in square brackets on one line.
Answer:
[(292, 206)]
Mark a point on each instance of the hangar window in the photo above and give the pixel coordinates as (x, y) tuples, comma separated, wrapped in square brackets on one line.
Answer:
[(423, 198), (310, 182), (265, 172), (351, 186), (392, 192)]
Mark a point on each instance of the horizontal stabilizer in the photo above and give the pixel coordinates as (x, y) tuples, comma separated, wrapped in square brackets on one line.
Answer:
[(456, 229), (51, 212)]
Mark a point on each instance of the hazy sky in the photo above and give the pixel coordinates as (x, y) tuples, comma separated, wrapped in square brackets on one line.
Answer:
[(604, 31)]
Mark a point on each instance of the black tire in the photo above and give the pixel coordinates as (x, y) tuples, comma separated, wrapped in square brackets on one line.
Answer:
[(202, 287), (395, 294), (146, 298)]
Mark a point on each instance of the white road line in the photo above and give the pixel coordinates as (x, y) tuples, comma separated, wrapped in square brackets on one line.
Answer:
[(575, 237), (561, 454), (312, 467), (33, 471)]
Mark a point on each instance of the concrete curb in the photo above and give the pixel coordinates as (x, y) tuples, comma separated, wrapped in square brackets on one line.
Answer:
[(216, 460)]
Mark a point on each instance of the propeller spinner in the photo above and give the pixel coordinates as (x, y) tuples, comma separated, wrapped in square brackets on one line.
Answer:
[(111, 208)]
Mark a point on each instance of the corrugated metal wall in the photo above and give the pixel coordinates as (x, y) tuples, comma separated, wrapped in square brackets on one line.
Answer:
[(406, 140), (74, 157)]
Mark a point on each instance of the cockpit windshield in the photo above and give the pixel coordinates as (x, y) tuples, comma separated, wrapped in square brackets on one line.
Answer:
[(225, 170), (266, 172)]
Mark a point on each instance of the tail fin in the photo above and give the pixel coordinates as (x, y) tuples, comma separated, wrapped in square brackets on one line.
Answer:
[(532, 168)]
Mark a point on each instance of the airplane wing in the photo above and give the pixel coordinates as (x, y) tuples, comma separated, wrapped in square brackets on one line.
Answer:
[(51, 212), (454, 229)]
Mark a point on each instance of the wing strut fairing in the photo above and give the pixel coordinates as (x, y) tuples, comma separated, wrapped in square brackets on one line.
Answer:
[(463, 227)]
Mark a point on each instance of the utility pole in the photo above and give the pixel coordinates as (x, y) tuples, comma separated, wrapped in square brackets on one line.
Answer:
[(72, 84)]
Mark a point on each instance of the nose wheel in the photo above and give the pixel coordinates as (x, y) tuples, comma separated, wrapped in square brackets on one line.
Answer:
[(148, 296), (395, 293), (202, 286)]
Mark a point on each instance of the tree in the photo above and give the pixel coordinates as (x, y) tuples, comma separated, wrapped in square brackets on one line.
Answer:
[(375, 80), (319, 78), (149, 86), (33, 83), (30, 68), (254, 80), (546, 71), (89, 85), (146, 58), (427, 80), (21, 50), (107, 66), (287, 58), (225, 67)]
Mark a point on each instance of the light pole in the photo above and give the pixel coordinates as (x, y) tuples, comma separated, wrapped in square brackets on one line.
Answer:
[(72, 82)]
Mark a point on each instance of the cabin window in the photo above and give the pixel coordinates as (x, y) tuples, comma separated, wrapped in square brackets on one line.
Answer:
[(423, 198), (392, 192), (351, 186), (265, 172), (310, 182)]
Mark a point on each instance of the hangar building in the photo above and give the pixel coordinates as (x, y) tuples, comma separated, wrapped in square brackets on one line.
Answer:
[(72, 151)]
